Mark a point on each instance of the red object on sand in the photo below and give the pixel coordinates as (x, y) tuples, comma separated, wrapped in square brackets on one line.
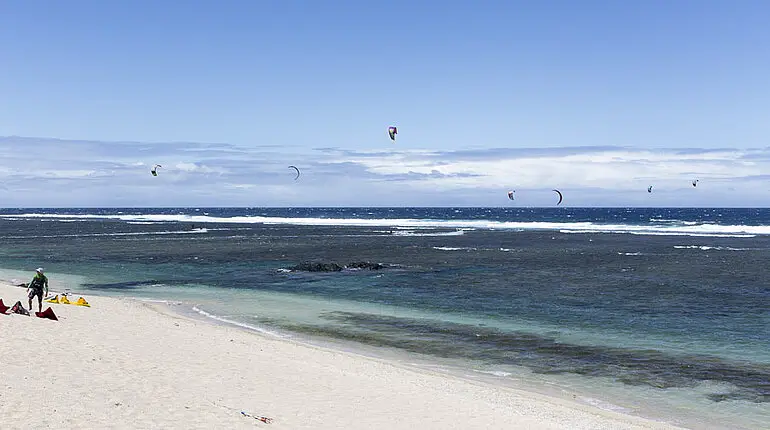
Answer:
[(3, 307), (48, 313)]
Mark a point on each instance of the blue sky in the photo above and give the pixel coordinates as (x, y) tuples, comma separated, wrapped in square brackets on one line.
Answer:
[(275, 82)]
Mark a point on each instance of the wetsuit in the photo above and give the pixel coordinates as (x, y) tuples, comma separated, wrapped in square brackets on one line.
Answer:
[(36, 286)]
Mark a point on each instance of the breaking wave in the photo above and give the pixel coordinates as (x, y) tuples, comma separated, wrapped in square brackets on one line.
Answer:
[(713, 248), (235, 323), (656, 227)]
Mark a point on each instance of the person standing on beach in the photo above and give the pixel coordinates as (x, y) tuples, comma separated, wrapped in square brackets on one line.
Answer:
[(35, 288)]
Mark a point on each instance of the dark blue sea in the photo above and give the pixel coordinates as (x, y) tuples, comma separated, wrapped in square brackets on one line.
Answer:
[(657, 312)]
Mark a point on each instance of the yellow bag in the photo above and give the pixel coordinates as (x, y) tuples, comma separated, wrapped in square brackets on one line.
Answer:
[(81, 302)]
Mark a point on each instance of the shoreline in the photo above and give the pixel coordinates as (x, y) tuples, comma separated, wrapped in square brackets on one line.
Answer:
[(406, 360), (172, 370), (450, 368)]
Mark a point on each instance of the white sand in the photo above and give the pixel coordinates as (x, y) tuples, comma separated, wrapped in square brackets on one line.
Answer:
[(126, 364)]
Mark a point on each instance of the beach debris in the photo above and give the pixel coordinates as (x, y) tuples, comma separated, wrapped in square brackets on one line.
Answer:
[(560, 197), (510, 194), (154, 170), (265, 420), (392, 132), (3, 307), (295, 168), (18, 308), (48, 314)]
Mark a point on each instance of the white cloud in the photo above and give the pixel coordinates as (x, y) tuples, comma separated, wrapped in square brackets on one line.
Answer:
[(193, 167), (49, 172)]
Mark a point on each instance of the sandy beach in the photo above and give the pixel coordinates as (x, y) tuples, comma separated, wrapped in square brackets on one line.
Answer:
[(124, 363)]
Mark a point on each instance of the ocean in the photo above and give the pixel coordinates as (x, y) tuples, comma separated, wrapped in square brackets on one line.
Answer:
[(663, 313)]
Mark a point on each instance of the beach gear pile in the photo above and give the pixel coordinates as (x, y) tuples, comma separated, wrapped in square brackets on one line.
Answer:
[(65, 301), (18, 308)]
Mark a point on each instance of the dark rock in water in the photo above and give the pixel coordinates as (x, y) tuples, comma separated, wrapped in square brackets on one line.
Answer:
[(22, 285), (365, 265), (317, 267), (308, 266)]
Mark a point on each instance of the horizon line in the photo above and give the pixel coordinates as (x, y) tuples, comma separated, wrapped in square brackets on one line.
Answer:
[(384, 207)]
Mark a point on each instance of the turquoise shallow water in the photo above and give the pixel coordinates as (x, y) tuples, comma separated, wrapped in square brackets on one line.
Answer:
[(666, 317)]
